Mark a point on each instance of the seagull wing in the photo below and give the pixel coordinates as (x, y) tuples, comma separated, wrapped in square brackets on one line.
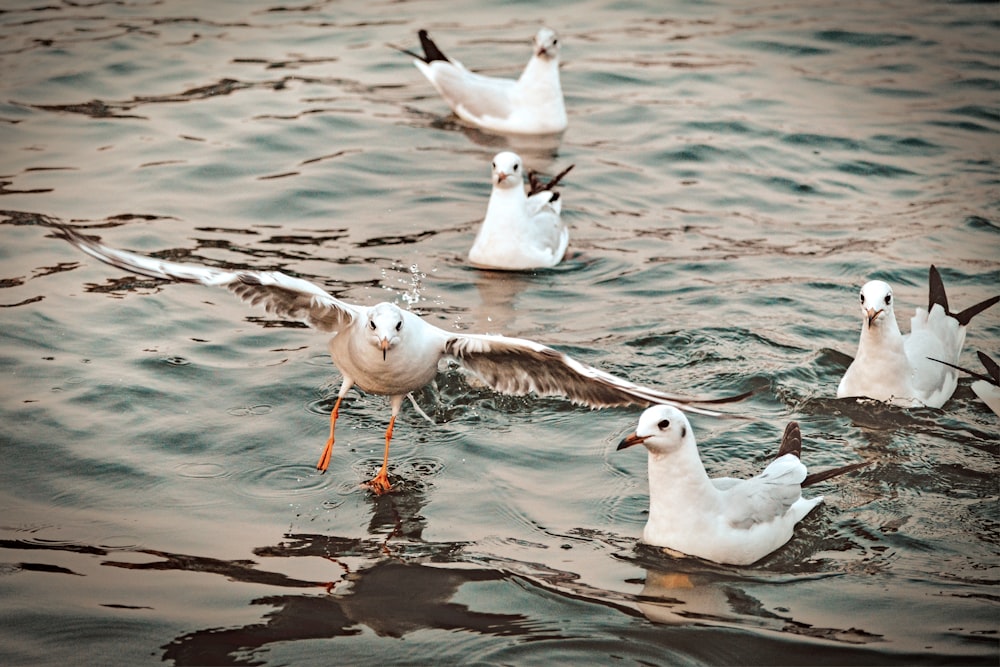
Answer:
[(472, 96), (517, 366), (278, 293), (767, 496)]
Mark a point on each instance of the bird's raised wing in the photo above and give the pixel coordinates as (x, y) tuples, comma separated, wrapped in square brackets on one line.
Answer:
[(517, 366), (278, 293)]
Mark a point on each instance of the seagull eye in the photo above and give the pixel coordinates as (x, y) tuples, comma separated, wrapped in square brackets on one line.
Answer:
[(493, 164), (862, 297), (664, 424), (888, 299), (554, 42), (371, 323), (516, 167), (399, 325)]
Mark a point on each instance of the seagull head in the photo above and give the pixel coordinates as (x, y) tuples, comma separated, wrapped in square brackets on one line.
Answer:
[(385, 323), (507, 170), (546, 44), (876, 302), (662, 429)]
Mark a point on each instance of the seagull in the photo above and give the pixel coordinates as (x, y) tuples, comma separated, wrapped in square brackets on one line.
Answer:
[(986, 387), (521, 230), (386, 350), (533, 104), (726, 520), (897, 369)]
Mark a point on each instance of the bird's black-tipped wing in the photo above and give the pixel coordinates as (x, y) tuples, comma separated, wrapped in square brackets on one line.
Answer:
[(937, 296), (991, 368), (431, 50), (535, 184), (823, 475)]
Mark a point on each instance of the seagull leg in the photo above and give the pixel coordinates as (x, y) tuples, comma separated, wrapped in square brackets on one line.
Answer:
[(380, 483), (324, 459)]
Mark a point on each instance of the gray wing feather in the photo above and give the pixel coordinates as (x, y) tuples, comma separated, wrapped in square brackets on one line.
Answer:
[(767, 496), (278, 293), (517, 366)]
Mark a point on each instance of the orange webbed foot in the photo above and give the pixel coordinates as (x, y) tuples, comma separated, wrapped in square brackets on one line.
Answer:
[(379, 484), (324, 458)]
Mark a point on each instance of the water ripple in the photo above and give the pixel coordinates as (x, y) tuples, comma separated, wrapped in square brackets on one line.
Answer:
[(285, 481)]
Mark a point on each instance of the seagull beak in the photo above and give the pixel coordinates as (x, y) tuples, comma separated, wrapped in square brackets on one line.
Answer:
[(630, 440), (384, 344), (872, 314), (501, 177)]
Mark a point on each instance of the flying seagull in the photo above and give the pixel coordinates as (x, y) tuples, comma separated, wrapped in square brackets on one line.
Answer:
[(386, 350)]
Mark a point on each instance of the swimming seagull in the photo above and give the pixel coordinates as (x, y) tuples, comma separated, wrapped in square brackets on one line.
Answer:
[(533, 104), (726, 520), (521, 230), (899, 369), (385, 350), (986, 387)]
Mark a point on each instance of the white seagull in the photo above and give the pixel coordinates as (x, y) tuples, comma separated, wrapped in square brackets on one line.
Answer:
[(533, 104), (385, 350), (522, 230), (899, 369), (726, 520), (986, 387)]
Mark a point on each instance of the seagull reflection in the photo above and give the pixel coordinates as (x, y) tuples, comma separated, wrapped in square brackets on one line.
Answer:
[(682, 590), (374, 601)]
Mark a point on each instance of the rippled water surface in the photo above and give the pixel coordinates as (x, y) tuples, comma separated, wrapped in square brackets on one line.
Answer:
[(741, 169)]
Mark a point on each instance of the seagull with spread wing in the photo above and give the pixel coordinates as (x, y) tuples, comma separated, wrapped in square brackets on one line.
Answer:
[(386, 350)]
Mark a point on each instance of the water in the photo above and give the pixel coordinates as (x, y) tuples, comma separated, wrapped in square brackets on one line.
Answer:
[(741, 169)]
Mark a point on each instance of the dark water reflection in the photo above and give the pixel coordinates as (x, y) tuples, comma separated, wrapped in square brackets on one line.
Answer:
[(741, 169)]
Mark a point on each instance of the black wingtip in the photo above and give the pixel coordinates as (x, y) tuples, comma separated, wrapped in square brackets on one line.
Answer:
[(966, 315), (991, 367), (993, 371), (727, 399), (974, 374), (535, 184), (824, 475), (937, 294), (791, 441), (407, 52), (431, 50), (70, 234)]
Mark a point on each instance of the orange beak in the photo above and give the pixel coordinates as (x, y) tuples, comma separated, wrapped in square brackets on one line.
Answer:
[(872, 315), (385, 347), (630, 440)]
